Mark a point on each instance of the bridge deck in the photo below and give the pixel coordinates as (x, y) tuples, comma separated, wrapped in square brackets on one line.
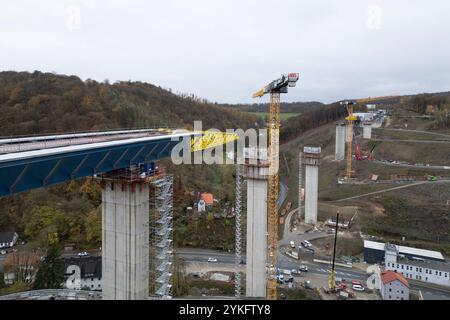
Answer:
[(48, 160)]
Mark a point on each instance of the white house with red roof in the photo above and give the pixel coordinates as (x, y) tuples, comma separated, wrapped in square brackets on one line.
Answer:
[(394, 286)]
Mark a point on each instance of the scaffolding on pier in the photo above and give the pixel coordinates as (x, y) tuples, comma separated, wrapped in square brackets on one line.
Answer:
[(161, 239), (301, 190), (238, 231)]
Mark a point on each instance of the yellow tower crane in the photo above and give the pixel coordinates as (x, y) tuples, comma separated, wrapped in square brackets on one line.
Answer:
[(349, 135), (350, 119), (275, 88)]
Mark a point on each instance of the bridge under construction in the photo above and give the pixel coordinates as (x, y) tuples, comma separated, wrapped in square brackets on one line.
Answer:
[(137, 197)]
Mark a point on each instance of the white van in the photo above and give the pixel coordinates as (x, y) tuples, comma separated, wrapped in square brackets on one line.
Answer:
[(292, 244)]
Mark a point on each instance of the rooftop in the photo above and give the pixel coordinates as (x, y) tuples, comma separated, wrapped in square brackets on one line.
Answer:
[(90, 266), (208, 198), (6, 236), (428, 264), (405, 250), (389, 276)]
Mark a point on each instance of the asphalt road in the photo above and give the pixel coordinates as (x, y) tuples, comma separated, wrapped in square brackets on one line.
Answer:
[(227, 259), (419, 131), (200, 255), (412, 165)]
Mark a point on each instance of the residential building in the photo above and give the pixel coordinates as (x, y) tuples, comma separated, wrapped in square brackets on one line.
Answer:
[(394, 286), (374, 252), (417, 268), (8, 239), (83, 272), (208, 198), (201, 206), (21, 266)]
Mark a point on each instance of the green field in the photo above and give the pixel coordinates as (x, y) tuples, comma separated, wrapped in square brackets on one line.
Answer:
[(283, 115)]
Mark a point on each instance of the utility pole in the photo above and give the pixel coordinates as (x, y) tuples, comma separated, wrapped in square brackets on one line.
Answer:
[(332, 284)]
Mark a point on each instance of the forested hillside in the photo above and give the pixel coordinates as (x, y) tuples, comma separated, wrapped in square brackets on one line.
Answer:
[(35, 103), (38, 103), (311, 119), (436, 104), (297, 107)]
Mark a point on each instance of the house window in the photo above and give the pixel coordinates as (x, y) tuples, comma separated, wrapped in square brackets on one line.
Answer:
[(390, 297), (390, 290), (397, 266), (426, 278), (417, 269), (402, 291), (92, 279), (401, 298), (92, 285), (436, 273), (402, 267), (446, 275), (420, 269), (99, 285)]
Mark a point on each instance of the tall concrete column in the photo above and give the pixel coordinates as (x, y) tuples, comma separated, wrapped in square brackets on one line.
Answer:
[(311, 193), (311, 159), (125, 238), (340, 142), (367, 130), (256, 173)]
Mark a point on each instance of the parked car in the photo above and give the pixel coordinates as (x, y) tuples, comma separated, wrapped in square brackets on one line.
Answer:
[(3, 252), (357, 286), (306, 244), (303, 268), (296, 272), (82, 254), (289, 279), (212, 259), (292, 244)]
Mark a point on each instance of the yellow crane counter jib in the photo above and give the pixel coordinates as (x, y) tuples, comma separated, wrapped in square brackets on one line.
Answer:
[(210, 139)]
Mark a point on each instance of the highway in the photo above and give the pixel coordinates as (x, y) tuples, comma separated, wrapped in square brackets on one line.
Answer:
[(225, 259)]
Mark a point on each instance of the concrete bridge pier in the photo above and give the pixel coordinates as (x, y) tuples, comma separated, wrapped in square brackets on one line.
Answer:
[(125, 239)]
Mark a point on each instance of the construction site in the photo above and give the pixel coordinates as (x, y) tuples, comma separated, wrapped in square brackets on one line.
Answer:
[(279, 232), (161, 151)]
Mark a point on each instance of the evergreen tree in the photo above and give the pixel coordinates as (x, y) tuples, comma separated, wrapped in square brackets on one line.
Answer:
[(50, 272)]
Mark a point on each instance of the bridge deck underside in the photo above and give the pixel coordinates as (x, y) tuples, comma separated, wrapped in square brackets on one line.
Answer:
[(22, 174)]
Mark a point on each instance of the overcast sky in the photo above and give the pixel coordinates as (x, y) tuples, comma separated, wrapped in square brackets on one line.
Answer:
[(224, 50)]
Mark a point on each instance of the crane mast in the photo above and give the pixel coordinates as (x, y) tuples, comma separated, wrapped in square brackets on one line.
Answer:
[(275, 88), (350, 119)]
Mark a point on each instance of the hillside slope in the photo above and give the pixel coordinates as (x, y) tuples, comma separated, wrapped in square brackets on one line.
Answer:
[(36, 103)]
